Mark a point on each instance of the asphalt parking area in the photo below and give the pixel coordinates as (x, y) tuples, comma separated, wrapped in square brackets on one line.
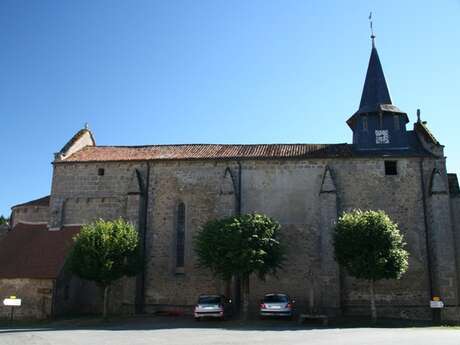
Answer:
[(175, 331)]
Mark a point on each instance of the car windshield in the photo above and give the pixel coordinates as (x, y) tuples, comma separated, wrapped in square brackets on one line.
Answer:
[(275, 299), (209, 300)]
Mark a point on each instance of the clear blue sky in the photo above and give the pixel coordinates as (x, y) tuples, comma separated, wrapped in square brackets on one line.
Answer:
[(218, 71)]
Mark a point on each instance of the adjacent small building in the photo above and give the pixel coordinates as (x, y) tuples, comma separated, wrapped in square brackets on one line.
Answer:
[(32, 262)]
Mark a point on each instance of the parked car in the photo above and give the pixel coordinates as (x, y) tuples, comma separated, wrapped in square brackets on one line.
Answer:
[(276, 304), (213, 306)]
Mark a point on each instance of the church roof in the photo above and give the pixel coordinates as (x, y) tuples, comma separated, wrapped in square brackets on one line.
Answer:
[(206, 151), (32, 251), (45, 201), (217, 152)]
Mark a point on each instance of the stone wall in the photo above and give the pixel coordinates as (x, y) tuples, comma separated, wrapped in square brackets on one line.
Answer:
[(3, 230), (36, 296), (362, 183), (75, 296), (80, 194), (204, 189), (30, 214), (288, 190), (455, 211)]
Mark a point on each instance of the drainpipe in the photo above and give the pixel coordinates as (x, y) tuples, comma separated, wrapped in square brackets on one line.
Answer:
[(427, 237)]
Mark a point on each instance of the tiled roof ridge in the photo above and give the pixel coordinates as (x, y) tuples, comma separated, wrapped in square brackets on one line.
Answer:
[(211, 144)]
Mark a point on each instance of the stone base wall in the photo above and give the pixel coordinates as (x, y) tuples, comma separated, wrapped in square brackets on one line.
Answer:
[(3, 230), (75, 296), (392, 312), (36, 296)]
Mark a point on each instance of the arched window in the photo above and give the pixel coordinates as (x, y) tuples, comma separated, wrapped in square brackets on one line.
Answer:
[(180, 235)]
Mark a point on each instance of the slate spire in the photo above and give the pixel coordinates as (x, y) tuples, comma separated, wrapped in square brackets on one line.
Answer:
[(375, 90), (375, 97)]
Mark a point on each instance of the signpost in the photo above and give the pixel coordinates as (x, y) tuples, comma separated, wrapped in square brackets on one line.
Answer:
[(12, 302)]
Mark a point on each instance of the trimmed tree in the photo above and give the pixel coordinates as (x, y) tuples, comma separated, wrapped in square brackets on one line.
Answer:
[(105, 251), (238, 247), (370, 246)]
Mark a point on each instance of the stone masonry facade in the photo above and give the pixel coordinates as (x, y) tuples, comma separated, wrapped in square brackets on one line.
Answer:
[(304, 205)]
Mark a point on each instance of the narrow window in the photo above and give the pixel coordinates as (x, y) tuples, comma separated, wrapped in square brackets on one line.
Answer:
[(180, 235), (391, 168), (101, 171), (396, 122), (365, 123)]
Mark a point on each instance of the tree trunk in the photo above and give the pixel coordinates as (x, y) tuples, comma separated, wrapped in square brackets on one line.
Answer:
[(373, 308), (106, 301), (245, 282)]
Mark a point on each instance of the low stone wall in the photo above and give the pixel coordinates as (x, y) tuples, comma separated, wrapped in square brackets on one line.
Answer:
[(3, 230), (36, 296)]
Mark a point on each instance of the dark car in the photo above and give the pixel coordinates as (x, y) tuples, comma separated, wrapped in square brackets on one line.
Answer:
[(276, 304), (213, 306)]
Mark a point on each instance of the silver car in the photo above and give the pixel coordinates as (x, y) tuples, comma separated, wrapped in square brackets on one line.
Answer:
[(212, 306), (276, 304)]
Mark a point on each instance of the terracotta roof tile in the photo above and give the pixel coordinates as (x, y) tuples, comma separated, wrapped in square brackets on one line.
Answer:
[(32, 251), (207, 151)]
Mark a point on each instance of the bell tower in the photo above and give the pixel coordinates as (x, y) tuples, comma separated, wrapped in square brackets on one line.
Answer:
[(378, 124)]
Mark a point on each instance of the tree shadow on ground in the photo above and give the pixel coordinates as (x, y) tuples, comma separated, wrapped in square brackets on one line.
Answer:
[(145, 323)]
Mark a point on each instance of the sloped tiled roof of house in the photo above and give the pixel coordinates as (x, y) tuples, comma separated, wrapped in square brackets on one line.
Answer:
[(216, 152), (32, 251)]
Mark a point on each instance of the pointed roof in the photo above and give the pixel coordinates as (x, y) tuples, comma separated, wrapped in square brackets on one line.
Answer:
[(375, 90), (375, 96)]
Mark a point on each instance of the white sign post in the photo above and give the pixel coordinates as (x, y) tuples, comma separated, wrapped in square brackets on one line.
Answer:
[(436, 304), (12, 302)]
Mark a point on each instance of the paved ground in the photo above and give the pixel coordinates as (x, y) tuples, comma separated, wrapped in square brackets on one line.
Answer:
[(171, 331)]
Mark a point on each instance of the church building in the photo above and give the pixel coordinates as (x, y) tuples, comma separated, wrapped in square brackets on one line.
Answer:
[(169, 191)]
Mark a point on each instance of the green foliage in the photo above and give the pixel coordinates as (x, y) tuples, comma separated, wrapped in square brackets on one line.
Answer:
[(4, 220), (240, 245), (105, 251), (369, 245)]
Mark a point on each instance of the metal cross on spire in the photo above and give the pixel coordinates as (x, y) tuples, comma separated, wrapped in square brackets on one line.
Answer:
[(372, 29)]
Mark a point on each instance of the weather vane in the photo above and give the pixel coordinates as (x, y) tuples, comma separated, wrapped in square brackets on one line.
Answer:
[(372, 28)]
